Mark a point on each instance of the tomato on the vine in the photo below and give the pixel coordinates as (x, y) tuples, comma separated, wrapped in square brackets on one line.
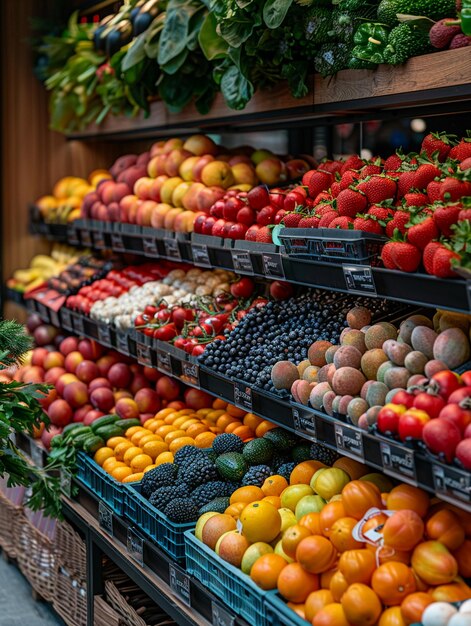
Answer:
[(166, 333)]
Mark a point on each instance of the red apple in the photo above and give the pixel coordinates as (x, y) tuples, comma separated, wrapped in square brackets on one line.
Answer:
[(69, 344)]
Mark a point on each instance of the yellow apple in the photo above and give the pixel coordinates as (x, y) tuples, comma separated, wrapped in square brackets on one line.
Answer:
[(168, 187)]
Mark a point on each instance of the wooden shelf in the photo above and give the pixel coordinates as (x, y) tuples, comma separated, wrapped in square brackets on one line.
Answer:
[(442, 78)]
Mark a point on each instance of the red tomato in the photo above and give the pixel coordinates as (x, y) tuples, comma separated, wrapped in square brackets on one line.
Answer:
[(165, 333), (429, 403), (411, 424), (243, 288), (198, 350), (405, 398), (388, 418), (466, 378), (454, 413), (445, 383), (463, 393)]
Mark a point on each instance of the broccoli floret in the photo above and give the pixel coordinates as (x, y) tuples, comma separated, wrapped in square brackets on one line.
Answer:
[(404, 42)]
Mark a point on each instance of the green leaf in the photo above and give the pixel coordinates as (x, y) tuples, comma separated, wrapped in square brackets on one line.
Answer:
[(212, 45), (237, 30), (174, 35), (176, 63), (274, 12), (136, 53), (421, 21), (236, 89)]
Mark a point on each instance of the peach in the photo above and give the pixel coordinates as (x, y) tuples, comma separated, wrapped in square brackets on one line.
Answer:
[(147, 401), (90, 350), (33, 374), (143, 158), (244, 173), (174, 159), (231, 547), (199, 165), (186, 168), (122, 393), (53, 359), (240, 158), (200, 144), (260, 155), (44, 335), (151, 374), (38, 356), (114, 212), (156, 148), (189, 199), (206, 197), (52, 375), (91, 416), (177, 405), (169, 218), (105, 362), (144, 213), (72, 360), (179, 193), (64, 380), (102, 399), (131, 175), (142, 188), (105, 191), (297, 168), (48, 398), (76, 394), (47, 435), (158, 215), (60, 413), (215, 527), (154, 192), (119, 375), (184, 222), (168, 388), (99, 382), (168, 187), (217, 173), (156, 166), (172, 144), (196, 399), (87, 371), (271, 171), (113, 192), (122, 163), (127, 408), (139, 381), (102, 213), (79, 414)]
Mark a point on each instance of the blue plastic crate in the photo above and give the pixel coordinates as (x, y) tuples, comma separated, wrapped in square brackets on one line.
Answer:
[(167, 534), (102, 484), (227, 582), (279, 613)]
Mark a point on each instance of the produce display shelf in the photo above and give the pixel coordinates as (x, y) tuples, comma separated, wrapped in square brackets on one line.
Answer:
[(180, 595), (424, 80), (268, 261)]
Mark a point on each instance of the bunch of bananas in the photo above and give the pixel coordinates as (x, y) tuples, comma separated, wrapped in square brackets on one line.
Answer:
[(42, 267)]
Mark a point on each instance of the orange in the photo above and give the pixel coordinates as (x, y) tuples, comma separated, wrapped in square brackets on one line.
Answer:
[(136, 438), (150, 422), (102, 454), (134, 478), (170, 419), (297, 608), (295, 584), (121, 448), (316, 601), (331, 615), (219, 404), (154, 448), (149, 467), (185, 412), (195, 429), (274, 485), (244, 432), (313, 522), (203, 412), (246, 494), (234, 510), (189, 422), (204, 440), (213, 416), (292, 537), (147, 438), (113, 441), (134, 429), (165, 457), (140, 462), (266, 569), (130, 454), (235, 412), (180, 442), (326, 578), (303, 472), (155, 425), (260, 522), (275, 500), (234, 425), (179, 421), (264, 427), (110, 463), (338, 585), (252, 421), (164, 430), (163, 413), (120, 473), (316, 554), (224, 420), (174, 435)]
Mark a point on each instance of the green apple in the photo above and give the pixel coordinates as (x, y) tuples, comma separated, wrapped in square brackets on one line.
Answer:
[(252, 553), (309, 504), (201, 522)]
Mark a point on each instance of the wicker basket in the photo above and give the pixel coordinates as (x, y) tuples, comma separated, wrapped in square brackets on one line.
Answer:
[(104, 614), (36, 559), (129, 617), (154, 616), (10, 524), (71, 551), (70, 598)]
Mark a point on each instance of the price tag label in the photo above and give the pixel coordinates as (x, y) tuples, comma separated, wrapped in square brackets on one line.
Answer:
[(122, 343), (72, 236), (273, 265), (200, 254), (305, 423), (172, 249), (66, 482), (349, 441), (143, 355), (36, 454), (66, 318), (452, 484), (150, 247), (180, 583), (135, 546), (398, 462), (78, 324), (243, 396), (164, 362), (191, 374), (86, 238), (104, 335), (99, 240), (117, 242), (105, 518), (221, 616), (359, 279), (242, 262), (54, 317)]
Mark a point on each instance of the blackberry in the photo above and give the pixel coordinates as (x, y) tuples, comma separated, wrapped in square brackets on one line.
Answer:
[(207, 492), (181, 510), (256, 475), (162, 476), (227, 442), (199, 472), (323, 454), (280, 459), (162, 496), (186, 454), (285, 470)]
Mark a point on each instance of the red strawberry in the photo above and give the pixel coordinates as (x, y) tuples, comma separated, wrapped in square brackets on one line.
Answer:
[(322, 209), (378, 188), (437, 142), (327, 218), (341, 222), (386, 256), (352, 163), (307, 177), (464, 165), (279, 215), (442, 262), (462, 151), (465, 214), (406, 256), (331, 166), (309, 222), (251, 234), (399, 221), (422, 232), (424, 175), (291, 220), (445, 216), (429, 254), (367, 225), (351, 202), (393, 163), (266, 215), (452, 189), (264, 235), (348, 178), (416, 199), (370, 170), (405, 183), (335, 189), (319, 181), (381, 213), (324, 195), (433, 191)]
